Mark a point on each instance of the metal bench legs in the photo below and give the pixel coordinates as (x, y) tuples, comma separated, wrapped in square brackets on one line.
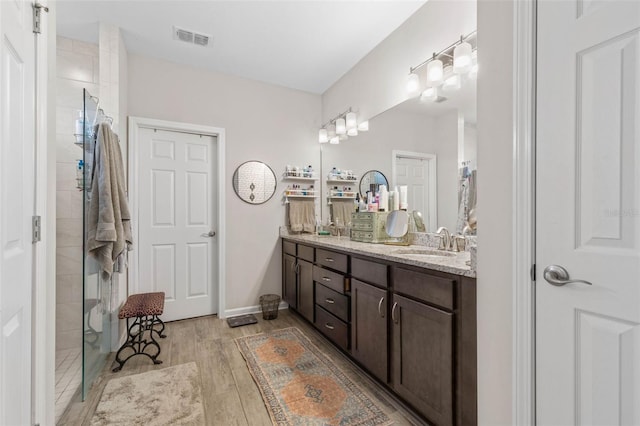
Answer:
[(138, 342)]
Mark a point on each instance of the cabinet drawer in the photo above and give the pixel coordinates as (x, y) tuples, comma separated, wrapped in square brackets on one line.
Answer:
[(368, 271), (425, 287), (305, 252), (332, 260), (362, 226), (334, 302), (289, 247), (328, 278), (332, 327)]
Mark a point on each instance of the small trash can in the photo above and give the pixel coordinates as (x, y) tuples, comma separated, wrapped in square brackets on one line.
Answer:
[(269, 304)]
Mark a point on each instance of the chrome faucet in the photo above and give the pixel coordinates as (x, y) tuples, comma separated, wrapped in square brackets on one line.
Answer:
[(445, 238)]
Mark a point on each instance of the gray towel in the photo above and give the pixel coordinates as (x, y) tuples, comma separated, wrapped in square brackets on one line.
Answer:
[(341, 211), (302, 215), (109, 232)]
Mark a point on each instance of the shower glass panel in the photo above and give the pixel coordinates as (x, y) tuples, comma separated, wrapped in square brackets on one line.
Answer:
[(96, 291)]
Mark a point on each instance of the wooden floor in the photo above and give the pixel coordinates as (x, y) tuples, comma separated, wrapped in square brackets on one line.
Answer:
[(230, 395)]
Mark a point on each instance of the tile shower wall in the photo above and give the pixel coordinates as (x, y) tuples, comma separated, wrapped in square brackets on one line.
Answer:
[(77, 68)]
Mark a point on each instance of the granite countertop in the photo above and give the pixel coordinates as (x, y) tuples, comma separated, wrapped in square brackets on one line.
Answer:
[(453, 262)]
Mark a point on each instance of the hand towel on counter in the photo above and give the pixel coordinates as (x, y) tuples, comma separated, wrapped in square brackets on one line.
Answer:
[(109, 223), (302, 215), (341, 211)]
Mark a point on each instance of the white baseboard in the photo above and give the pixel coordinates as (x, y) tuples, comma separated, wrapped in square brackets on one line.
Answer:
[(250, 310)]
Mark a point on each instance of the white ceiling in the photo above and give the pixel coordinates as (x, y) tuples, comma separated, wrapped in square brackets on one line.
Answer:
[(306, 45)]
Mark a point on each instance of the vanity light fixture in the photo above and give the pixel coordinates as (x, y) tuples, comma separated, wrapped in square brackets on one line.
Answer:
[(341, 127), (323, 136), (462, 57), (435, 72), (352, 122), (447, 68), (413, 82)]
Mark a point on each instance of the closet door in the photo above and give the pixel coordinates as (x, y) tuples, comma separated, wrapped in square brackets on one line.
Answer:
[(177, 205)]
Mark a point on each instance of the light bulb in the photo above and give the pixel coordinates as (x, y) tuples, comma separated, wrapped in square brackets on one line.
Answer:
[(323, 137), (451, 79), (413, 83), (334, 140), (353, 132), (364, 126), (434, 73), (341, 126), (462, 58), (430, 94), (352, 122)]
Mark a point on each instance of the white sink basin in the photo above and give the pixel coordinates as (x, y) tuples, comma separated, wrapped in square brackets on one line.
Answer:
[(424, 252)]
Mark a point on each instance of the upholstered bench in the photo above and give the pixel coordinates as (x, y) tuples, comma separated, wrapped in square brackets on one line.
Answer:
[(144, 310)]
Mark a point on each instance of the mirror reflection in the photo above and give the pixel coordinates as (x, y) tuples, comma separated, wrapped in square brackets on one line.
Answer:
[(428, 146), (254, 182), (371, 181)]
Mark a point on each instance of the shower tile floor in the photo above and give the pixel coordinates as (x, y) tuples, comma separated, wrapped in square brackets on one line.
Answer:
[(68, 377)]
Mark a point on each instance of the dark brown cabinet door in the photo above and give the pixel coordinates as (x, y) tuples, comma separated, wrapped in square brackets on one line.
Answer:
[(369, 328), (289, 282), (305, 289), (422, 358)]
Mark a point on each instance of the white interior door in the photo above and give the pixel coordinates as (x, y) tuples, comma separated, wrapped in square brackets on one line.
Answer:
[(176, 217), (17, 127), (417, 171), (588, 212)]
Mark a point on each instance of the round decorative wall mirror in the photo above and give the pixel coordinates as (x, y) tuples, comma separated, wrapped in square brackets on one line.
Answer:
[(254, 182), (371, 181)]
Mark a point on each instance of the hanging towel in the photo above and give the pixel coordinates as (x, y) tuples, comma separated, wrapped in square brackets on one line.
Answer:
[(341, 211), (302, 215), (109, 222)]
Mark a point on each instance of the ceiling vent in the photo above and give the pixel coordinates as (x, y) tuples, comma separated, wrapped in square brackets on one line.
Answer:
[(191, 37)]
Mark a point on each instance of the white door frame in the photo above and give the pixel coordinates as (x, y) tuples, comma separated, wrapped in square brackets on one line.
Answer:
[(137, 123), (523, 171), (432, 183)]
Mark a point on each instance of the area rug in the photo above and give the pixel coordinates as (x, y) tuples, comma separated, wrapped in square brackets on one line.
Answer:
[(170, 396), (301, 386)]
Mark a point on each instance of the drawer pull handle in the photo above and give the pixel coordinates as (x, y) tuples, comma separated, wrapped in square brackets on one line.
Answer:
[(329, 326), (330, 301), (379, 306), (328, 259), (326, 279), (393, 312)]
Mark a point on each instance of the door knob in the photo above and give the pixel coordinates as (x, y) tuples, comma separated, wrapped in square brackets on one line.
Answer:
[(559, 276), (209, 234)]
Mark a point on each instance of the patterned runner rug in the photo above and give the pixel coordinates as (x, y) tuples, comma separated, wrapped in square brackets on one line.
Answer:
[(170, 396), (301, 386)]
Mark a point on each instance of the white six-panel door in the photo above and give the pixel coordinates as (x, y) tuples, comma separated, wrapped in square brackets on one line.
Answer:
[(418, 172), (177, 250), (588, 212), (16, 208)]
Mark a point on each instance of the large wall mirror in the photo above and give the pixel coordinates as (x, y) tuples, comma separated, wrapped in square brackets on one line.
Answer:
[(254, 182), (429, 146)]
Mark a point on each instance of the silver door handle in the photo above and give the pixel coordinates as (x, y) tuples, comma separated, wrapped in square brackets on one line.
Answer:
[(393, 312), (559, 276), (379, 306), (209, 234)]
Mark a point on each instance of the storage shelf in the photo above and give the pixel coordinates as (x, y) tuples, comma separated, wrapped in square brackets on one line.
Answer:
[(300, 176), (342, 181), (308, 193)]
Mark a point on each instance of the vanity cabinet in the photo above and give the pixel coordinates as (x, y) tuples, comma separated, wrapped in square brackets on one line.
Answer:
[(412, 328), (422, 357), (369, 329), (297, 279), (289, 280)]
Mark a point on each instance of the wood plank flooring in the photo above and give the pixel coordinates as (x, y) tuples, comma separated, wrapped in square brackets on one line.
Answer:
[(230, 395)]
